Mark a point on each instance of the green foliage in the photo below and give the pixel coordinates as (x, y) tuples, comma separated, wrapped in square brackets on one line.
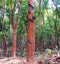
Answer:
[(0, 24), (45, 21), (23, 17), (47, 15), (45, 4), (10, 4), (2, 3), (58, 12), (48, 51)]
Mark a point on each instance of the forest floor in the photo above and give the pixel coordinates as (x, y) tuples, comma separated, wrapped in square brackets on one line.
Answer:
[(44, 57)]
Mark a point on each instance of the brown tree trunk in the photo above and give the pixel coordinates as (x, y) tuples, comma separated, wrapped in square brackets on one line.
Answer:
[(14, 27), (41, 45), (53, 42), (2, 13), (59, 42), (19, 38), (14, 41), (9, 23), (14, 37), (30, 31), (4, 41), (4, 45)]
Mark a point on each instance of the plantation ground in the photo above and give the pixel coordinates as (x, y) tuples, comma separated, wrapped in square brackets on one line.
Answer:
[(45, 57)]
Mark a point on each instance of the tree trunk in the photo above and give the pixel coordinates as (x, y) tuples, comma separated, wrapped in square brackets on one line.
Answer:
[(4, 45), (2, 12), (4, 41), (30, 31), (9, 23), (59, 42), (41, 45), (14, 27), (14, 41), (53, 42), (19, 38)]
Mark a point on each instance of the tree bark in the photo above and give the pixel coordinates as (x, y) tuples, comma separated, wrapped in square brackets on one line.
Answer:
[(30, 31), (14, 37), (59, 42), (53, 42), (14, 42), (41, 45), (4, 45), (14, 27), (4, 41), (19, 38), (2, 13)]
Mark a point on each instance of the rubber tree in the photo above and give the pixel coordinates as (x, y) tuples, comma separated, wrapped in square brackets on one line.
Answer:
[(4, 41), (41, 16), (57, 13), (14, 25), (30, 31), (41, 23)]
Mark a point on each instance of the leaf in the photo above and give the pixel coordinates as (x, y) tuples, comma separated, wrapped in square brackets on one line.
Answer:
[(1, 3), (10, 4)]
